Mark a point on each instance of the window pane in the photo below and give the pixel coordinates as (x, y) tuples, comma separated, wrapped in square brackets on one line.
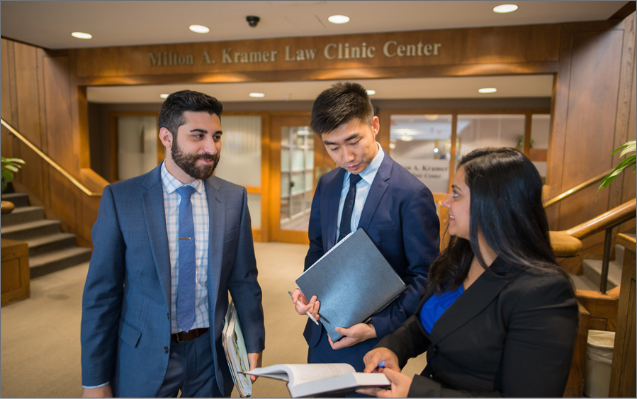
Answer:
[(478, 131), (421, 144), (241, 150)]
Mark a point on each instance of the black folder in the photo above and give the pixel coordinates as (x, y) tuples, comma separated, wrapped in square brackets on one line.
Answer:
[(352, 281)]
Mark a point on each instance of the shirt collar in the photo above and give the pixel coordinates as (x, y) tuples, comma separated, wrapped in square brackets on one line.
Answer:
[(370, 171), (171, 184)]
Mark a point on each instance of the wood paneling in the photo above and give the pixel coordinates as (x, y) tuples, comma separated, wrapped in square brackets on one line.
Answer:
[(622, 377), (591, 121), (58, 115), (16, 284), (469, 48)]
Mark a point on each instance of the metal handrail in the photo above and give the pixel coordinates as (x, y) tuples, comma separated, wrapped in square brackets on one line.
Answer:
[(577, 188), (51, 162)]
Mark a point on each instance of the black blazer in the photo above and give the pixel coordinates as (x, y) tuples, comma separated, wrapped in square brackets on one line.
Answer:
[(510, 335)]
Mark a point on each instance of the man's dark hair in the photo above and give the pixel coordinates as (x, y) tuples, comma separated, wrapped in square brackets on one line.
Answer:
[(340, 104), (171, 114)]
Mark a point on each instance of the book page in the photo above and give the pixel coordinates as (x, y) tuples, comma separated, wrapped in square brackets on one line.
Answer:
[(302, 373)]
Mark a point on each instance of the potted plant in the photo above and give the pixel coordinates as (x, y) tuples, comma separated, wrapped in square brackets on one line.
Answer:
[(9, 167), (629, 161)]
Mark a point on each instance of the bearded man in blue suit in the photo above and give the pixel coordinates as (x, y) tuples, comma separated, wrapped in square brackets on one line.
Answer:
[(168, 247), (394, 208)]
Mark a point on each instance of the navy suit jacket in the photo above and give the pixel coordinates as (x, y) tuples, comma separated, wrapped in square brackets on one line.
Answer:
[(400, 217), (126, 304)]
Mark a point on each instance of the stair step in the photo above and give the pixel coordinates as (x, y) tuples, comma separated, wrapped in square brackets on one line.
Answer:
[(593, 270), (582, 283), (52, 242), (53, 261), (18, 199), (30, 230), (23, 214)]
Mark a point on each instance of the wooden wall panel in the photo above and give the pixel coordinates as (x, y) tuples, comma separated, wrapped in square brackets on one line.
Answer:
[(469, 48), (590, 124), (58, 115), (8, 82), (28, 121)]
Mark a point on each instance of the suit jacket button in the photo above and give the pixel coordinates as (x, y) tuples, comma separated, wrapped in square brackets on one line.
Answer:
[(165, 349), (436, 350), (168, 315)]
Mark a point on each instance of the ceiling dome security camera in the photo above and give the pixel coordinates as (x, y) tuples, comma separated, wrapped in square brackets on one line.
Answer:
[(252, 20)]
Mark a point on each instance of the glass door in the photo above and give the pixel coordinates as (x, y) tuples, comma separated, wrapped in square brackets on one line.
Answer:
[(298, 161)]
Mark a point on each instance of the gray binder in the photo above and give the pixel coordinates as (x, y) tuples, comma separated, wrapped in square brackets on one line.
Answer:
[(352, 282)]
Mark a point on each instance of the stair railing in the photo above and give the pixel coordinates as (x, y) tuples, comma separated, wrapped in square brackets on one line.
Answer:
[(576, 189), (51, 162), (604, 222)]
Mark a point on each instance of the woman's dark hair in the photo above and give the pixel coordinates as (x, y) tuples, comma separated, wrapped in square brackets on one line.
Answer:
[(506, 206), (338, 105), (171, 114)]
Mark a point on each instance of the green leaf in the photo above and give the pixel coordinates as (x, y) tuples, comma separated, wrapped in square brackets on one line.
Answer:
[(630, 147), (13, 160), (8, 176), (615, 172)]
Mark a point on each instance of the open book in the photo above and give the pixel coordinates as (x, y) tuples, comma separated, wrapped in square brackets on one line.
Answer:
[(236, 354), (321, 379)]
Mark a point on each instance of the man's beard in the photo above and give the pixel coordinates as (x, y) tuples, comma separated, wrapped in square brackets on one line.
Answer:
[(188, 162)]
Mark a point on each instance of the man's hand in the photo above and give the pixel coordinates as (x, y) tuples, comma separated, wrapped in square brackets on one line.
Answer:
[(351, 336), (255, 361), (101, 392), (375, 356), (400, 384), (312, 306)]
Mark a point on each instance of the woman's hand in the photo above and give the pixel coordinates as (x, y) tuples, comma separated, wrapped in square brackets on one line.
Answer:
[(375, 356), (400, 384)]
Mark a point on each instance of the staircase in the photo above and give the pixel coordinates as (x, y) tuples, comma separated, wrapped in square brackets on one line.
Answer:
[(592, 269), (50, 250)]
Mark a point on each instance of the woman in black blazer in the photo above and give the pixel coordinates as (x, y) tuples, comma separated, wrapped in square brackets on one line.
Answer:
[(499, 316)]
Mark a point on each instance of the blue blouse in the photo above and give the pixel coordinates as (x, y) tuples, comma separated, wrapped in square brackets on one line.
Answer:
[(436, 305)]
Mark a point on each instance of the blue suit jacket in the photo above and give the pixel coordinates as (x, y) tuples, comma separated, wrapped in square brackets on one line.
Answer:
[(400, 218), (126, 305)]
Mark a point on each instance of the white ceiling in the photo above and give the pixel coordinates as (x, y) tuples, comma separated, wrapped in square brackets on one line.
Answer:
[(49, 24)]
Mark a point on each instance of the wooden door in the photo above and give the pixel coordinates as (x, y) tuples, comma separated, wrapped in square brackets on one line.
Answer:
[(298, 159)]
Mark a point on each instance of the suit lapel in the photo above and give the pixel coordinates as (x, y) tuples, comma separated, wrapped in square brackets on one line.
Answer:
[(376, 192), (216, 217), (477, 297), (333, 198), (155, 216)]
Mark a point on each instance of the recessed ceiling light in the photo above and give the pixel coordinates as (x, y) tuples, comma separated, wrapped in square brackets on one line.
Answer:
[(82, 35), (338, 19), (257, 95), (371, 92), (164, 95), (406, 138), (486, 90), (504, 8), (199, 28)]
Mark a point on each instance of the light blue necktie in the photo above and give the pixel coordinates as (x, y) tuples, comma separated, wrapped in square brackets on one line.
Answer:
[(186, 283)]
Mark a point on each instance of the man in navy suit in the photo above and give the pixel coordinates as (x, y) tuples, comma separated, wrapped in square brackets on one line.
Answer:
[(144, 334), (394, 208)]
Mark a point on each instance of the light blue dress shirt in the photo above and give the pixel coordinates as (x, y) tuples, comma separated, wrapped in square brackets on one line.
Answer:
[(362, 190)]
